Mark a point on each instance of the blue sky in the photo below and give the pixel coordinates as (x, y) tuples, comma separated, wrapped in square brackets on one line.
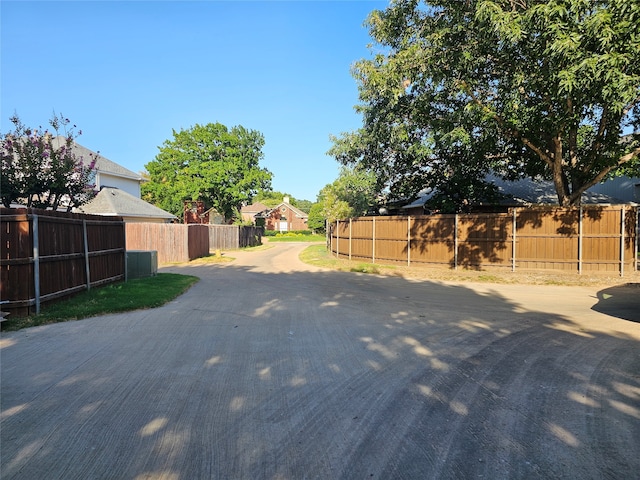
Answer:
[(127, 73)]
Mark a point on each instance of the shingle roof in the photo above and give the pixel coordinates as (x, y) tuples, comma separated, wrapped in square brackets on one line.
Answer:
[(254, 208), (103, 164), (299, 213), (527, 192), (113, 201)]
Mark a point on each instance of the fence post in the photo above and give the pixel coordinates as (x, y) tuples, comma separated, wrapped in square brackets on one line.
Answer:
[(636, 243), (513, 239), (373, 242), (86, 254), (36, 263), (580, 242), (409, 241), (337, 238), (350, 224), (455, 243), (622, 215)]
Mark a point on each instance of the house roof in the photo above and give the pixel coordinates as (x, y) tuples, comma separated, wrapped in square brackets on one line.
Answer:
[(526, 192), (103, 164), (254, 208), (113, 201), (299, 213)]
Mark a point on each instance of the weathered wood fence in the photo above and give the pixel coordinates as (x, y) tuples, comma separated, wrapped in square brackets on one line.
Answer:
[(174, 242), (48, 255), (177, 243), (228, 237), (585, 239)]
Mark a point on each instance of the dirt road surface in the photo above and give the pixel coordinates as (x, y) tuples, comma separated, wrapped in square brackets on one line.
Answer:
[(271, 369)]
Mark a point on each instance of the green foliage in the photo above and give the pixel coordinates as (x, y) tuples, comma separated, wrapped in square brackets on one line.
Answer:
[(210, 163), (297, 236), (351, 194), (526, 88), (316, 220), (272, 199), (40, 168)]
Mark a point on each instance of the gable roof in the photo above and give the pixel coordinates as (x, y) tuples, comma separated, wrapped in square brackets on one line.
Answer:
[(254, 208), (113, 201), (298, 213), (103, 164)]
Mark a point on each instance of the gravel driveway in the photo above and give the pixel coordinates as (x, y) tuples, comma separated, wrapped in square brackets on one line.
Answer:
[(271, 369)]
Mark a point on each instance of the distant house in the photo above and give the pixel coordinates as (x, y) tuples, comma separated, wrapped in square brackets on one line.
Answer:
[(118, 191), (195, 212), (284, 218), (249, 212)]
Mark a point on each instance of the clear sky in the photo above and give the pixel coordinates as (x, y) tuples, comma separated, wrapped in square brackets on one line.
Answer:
[(127, 73)]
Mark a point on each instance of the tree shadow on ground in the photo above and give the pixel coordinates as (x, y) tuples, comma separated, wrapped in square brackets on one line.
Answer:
[(622, 301)]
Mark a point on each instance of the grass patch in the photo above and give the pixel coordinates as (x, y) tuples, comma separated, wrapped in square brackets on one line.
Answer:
[(319, 256), (135, 294), (296, 237), (365, 268)]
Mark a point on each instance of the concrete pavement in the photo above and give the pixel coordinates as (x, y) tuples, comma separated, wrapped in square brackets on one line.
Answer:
[(271, 369)]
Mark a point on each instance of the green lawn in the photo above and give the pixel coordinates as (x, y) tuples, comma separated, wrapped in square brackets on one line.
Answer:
[(119, 297)]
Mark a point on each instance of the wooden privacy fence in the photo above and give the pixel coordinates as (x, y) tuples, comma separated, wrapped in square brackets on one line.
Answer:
[(48, 255), (175, 243), (227, 237), (589, 238)]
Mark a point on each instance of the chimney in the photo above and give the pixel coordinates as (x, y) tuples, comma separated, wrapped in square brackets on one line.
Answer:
[(285, 199)]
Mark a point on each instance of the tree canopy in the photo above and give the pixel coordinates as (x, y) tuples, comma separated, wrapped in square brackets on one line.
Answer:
[(211, 163), (351, 194), (518, 88), (40, 168), (272, 198)]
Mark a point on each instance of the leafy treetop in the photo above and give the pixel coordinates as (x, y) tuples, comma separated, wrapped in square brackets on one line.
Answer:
[(519, 88), (212, 163)]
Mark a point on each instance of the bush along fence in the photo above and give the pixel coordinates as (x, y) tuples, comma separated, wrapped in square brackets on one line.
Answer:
[(585, 239), (47, 255)]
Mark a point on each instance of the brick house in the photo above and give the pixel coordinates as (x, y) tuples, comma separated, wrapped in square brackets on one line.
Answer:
[(284, 217)]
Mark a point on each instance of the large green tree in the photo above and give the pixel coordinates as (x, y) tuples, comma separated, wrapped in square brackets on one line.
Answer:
[(212, 163), (519, 88)]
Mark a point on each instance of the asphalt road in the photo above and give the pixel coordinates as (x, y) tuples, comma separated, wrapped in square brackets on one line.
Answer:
[(270, 369)]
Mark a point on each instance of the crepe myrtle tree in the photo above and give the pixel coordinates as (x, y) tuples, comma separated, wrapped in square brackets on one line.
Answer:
[(455, 90), (40, 168)]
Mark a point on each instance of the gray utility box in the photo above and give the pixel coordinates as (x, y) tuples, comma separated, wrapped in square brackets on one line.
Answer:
[(142, 263)]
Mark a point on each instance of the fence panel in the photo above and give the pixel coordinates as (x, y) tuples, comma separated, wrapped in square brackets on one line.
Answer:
[(432, 239), (47, 255), (593, 238), (389, 246), (224, 237), (484, 239), (170, 240), (250, 236), (198, 240)]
